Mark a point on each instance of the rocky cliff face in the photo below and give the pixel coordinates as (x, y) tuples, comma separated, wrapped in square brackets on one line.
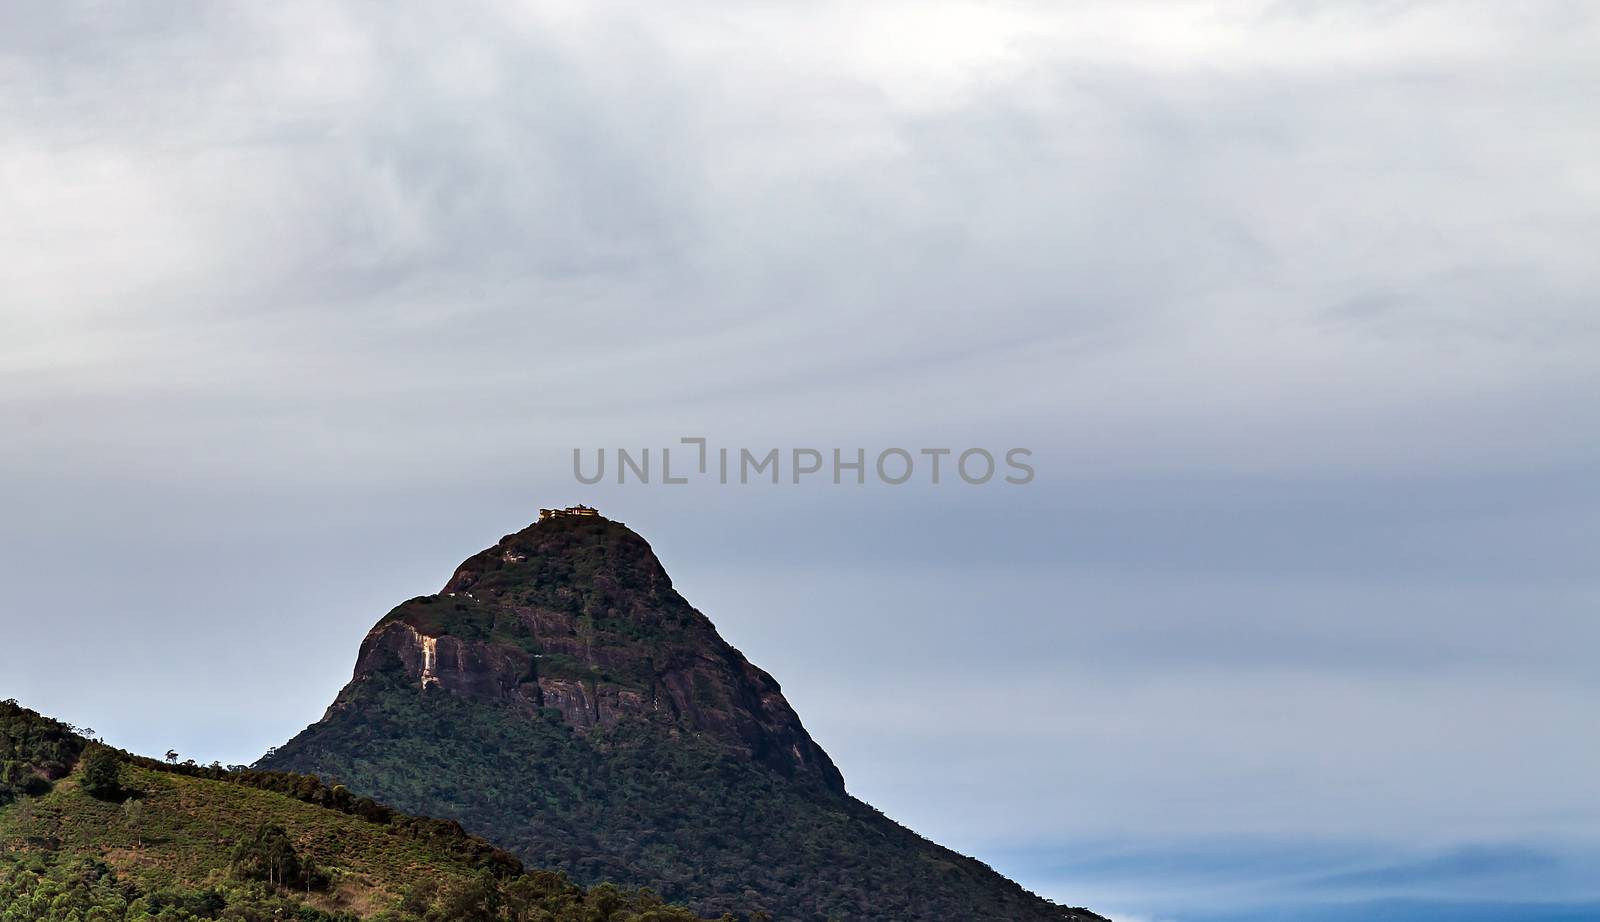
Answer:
[(576, 614)]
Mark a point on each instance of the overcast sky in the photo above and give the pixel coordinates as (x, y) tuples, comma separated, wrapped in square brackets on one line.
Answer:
[(1296, 305)]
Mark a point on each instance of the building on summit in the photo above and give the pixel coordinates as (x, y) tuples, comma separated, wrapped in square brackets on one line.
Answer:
[(579, 509)]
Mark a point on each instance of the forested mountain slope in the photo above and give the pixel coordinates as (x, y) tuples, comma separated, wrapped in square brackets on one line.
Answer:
[(560, 698)]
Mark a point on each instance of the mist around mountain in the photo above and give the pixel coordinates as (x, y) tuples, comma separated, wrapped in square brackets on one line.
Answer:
[(560, 698)]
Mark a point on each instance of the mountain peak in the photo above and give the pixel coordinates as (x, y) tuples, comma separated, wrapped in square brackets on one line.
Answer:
[(575, 614), (578, 533)]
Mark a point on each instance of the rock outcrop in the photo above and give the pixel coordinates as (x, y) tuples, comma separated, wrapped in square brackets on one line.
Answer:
[(576, 614)]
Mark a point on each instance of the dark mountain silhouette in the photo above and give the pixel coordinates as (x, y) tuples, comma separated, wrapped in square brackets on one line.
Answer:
[(561, 699)]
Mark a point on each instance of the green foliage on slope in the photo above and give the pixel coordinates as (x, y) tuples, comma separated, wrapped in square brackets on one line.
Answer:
[(648, 807), (180, 843), (33, 752)]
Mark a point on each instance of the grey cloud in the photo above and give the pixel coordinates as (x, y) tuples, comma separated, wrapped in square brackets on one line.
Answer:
[(1293, 301)]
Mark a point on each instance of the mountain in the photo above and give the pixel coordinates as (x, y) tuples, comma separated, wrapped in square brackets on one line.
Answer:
[(560, 698), (92, 834)]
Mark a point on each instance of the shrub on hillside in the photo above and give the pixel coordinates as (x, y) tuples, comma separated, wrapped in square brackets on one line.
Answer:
[(102, 774)]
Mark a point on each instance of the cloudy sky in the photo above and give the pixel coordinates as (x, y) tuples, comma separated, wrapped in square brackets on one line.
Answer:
[(1295, 304)]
